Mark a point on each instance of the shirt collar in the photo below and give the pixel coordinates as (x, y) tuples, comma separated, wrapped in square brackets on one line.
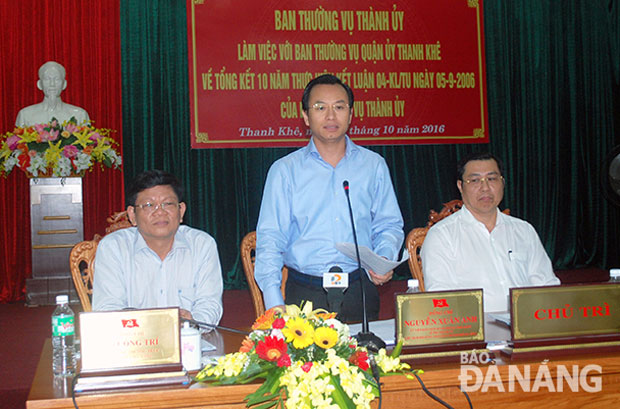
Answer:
[(469, 218), (350, 148), (180, 241)]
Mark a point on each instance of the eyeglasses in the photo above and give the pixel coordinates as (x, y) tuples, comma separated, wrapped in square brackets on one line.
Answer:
[(339, 107), (477, 182), (149, 208)]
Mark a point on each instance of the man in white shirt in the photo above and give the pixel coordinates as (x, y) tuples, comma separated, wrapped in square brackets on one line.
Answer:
[(158, 262), (481, 247)]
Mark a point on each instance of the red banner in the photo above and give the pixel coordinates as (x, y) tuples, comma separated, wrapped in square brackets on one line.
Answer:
[(416, 68)]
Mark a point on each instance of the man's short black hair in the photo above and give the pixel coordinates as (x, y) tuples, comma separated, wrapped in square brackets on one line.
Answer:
[(325, 79), (152, 178), (460, 167)]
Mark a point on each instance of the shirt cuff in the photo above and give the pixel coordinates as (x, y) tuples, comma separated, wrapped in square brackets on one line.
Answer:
[(272, 297)]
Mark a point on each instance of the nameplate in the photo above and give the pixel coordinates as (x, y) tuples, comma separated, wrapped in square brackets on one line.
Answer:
[(565, 312), (123, 341), (440, 317)]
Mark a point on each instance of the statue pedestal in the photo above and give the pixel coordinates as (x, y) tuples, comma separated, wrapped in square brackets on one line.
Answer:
[(56, 221)]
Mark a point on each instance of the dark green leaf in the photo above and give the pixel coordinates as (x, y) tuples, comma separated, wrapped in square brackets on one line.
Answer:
[(254, 400), (267, 405)]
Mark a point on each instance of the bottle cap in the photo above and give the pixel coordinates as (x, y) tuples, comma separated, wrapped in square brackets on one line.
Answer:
[(413, 283), (62, 299)]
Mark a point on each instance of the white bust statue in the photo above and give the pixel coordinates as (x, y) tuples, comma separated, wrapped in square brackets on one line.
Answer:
[(52, 82)]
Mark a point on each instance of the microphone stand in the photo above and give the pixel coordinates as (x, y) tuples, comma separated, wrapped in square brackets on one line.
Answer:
[(364, 338), (212, 326)]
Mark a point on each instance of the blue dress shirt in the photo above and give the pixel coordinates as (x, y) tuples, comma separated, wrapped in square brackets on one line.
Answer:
[(304, 213)]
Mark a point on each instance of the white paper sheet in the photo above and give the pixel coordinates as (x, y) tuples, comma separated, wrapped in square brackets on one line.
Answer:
[(370, 260)]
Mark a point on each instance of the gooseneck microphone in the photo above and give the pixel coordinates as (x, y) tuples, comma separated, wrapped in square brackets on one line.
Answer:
[(335, 295), (365, 338), (213, 326)]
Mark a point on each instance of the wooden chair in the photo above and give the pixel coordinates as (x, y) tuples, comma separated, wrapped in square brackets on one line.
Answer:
[(414, 241), (448, 208), (117, 221), (248, 258), (416, 236), (82, 262), (82, 259)]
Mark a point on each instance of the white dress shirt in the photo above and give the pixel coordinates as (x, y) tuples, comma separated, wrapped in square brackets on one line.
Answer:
[(129, 274), (459, 253)]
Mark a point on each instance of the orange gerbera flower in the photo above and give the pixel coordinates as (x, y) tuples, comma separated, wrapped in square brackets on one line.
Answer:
[(265, 320), (246, 345)]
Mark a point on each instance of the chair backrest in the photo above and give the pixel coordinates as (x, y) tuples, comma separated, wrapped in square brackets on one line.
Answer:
[(248, 258), (448, 208), (117, 221), (416, 236), (414, 241), (82, 259), (82, 263)]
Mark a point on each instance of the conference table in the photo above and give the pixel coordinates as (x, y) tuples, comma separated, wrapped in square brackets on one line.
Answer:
[(539, 387)]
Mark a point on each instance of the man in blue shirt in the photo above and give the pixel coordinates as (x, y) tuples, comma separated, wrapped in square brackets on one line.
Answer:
[(158, 262), (304, 210)]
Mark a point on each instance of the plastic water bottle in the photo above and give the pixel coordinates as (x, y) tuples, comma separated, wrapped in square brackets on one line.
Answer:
[(614, 275), (63, 332), (413, 286)]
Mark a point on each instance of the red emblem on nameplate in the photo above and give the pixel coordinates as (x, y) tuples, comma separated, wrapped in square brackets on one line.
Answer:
[(132, 323), (440, 303)]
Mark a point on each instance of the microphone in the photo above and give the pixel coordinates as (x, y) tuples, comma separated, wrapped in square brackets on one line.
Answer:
[(365, 338), (213, 326), (335, 295)]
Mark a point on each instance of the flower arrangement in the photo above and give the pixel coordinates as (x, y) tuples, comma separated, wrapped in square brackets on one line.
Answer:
[(57, 149), (305, 356)]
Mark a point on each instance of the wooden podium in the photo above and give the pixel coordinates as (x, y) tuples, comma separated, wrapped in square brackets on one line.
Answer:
[(56, 221)]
